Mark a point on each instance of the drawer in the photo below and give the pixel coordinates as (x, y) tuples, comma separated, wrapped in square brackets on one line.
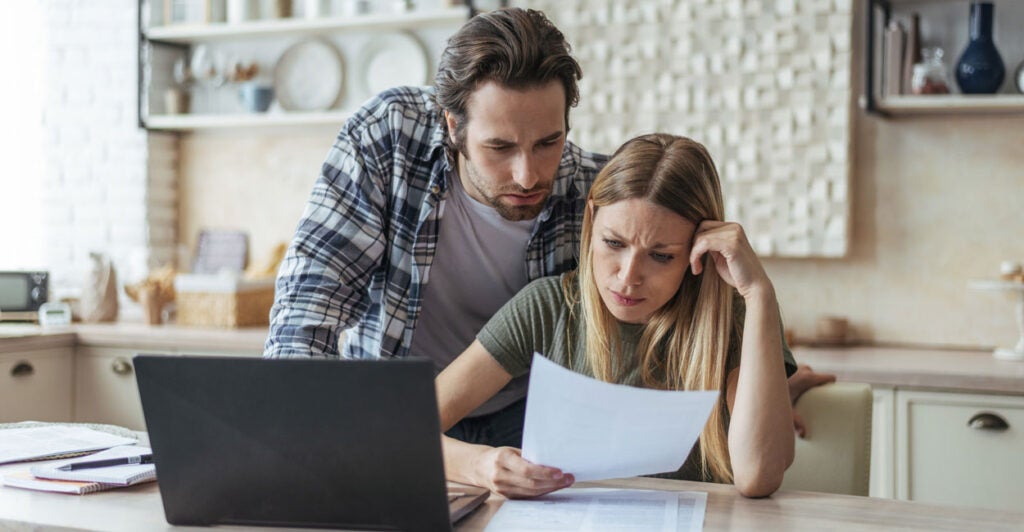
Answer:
[(946, 459), (36, 385)]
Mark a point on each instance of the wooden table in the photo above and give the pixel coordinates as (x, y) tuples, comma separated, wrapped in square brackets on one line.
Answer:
[(138, 508), (803, 510)]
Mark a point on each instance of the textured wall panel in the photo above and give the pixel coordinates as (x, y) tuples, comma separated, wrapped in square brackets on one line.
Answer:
[(764, 84)]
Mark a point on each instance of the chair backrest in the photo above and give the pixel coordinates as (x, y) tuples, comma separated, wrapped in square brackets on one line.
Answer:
[(835, 455)]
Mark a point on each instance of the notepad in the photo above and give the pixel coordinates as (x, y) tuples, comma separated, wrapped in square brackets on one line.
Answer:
[(25, 480), (121, 475)]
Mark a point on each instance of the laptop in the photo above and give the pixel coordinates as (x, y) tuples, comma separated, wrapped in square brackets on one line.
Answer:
[(298, 443)]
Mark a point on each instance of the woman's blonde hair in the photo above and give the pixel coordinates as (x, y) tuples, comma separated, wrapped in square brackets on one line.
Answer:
[(684, 346)]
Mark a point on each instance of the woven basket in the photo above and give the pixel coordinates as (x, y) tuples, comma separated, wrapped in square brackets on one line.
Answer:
[(230, 303)]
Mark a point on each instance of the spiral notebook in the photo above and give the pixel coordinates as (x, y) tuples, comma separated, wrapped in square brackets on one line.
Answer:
[(121, 475), (25, 480)]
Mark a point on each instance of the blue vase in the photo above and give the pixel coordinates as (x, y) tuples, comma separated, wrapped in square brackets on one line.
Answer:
[(980, 70)]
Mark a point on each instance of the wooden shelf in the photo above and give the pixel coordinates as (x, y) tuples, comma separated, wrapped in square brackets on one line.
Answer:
[(190, 33), (949, 104), (219, 121)]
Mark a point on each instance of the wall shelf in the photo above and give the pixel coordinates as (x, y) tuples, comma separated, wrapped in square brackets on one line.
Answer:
[(184, 123), (950, 104), (944, 24), (163, 46), (193, 33)]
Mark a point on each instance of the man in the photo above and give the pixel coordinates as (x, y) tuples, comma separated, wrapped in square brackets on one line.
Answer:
[(485, 152)]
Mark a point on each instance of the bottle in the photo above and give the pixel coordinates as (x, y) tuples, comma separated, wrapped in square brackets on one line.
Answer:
[(930, 74), (980, 69)]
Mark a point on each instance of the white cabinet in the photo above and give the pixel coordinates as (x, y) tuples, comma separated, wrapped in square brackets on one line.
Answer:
[(36, 385), (961, 449), (105, 389), (946, 447)]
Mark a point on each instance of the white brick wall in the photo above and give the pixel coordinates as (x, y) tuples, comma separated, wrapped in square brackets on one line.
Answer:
[(109, 186), (764, 85)]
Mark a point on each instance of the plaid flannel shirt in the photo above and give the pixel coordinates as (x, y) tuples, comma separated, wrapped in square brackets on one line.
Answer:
[(361, 254)]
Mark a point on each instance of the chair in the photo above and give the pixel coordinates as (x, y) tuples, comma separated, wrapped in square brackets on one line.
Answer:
[(835, 457)]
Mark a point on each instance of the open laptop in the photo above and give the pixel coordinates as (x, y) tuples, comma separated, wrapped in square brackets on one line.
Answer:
[(298, 443)]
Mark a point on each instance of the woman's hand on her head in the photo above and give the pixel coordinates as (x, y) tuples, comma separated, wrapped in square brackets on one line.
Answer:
[(734, 258), (504, 471)]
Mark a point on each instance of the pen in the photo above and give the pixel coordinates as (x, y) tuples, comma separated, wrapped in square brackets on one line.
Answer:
[(127, 460)]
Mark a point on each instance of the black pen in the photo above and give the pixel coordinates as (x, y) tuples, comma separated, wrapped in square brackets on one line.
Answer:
[(127, 460)]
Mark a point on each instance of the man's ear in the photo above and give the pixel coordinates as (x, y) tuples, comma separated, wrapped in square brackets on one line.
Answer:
[(452, 124)]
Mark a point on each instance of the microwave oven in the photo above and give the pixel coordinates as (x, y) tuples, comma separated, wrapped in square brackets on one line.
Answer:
[(22, 293)]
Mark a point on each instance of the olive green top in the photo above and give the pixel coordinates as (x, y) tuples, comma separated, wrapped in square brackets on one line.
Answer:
[(538, 320)]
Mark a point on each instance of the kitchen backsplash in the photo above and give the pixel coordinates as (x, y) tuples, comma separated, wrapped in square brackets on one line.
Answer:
[(256, 181)]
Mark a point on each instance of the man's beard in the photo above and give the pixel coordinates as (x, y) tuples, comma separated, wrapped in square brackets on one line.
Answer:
[(512, 213)]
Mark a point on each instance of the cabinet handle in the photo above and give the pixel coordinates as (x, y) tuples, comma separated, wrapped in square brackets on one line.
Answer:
[(22, 369), (988, 421), (121, 366)]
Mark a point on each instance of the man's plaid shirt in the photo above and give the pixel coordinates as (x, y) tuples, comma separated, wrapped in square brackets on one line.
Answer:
[(362, 251)]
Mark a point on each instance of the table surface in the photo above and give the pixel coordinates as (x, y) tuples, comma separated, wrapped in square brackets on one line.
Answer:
[(138, 508)]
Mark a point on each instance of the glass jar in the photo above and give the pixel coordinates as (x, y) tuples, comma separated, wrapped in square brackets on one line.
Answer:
[(930, 75)]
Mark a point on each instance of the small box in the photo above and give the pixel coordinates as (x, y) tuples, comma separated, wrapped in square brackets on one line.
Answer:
[(223, 300)]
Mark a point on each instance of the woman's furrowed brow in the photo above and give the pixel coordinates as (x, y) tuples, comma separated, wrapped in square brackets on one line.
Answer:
[(610, 233)]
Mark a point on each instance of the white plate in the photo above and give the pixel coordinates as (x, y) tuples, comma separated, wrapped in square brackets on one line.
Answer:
[(309, 76), (392, 60)]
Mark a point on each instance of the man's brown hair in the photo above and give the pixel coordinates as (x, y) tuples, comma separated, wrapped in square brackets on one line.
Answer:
[(517, 48)]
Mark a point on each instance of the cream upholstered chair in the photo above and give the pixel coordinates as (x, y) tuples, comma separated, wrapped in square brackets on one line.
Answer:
[(835, 456)]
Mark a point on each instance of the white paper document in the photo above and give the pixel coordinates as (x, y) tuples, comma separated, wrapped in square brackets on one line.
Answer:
[(39, 442), (597, 430), (604, 509)]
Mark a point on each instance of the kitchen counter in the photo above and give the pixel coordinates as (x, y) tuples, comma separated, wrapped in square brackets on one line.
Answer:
[(18, 337), (956, 370), (950, 370)]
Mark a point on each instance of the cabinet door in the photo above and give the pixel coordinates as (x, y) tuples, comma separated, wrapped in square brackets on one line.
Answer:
[(36, 385), (945, 455), (105, 389)]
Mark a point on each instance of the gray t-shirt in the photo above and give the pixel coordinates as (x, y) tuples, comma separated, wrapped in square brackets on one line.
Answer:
[(480, 264), (540, 320)]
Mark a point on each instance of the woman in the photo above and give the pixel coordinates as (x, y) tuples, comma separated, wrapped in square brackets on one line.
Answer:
[(651, 305)]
